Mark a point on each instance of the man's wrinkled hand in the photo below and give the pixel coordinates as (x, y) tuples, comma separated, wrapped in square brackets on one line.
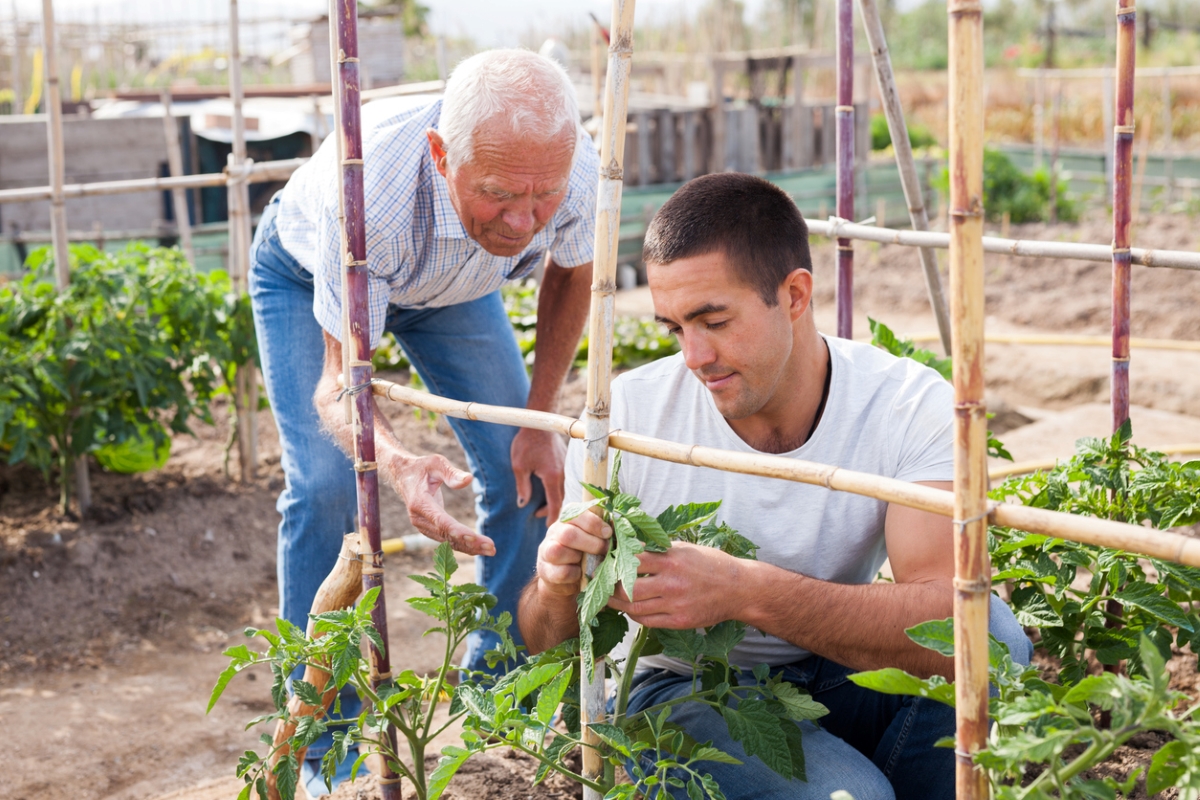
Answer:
[(419, 480), (543, 454), (560, 555), (688, 586)]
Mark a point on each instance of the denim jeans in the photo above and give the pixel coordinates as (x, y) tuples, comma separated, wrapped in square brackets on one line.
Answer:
[(875, 746), (465, 352)]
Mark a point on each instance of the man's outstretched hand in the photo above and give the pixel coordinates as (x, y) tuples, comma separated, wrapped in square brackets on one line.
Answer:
[(419, 481), (540, 453)]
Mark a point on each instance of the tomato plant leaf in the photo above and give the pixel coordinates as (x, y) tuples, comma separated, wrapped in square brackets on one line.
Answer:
[(757, 729), (1149, 598), (448, 765)]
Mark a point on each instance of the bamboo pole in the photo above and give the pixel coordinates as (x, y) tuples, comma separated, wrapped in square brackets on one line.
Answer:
[(261, 172), (600, 330), (356, 338), (246, 390), (1074, 341), (183, 222), (1174, 259), (845, 164), (339, 590), (58, 211), (1123, 129), (1140, 181), (972, 567), (911, 183), (1105, 533), (1029, 467)]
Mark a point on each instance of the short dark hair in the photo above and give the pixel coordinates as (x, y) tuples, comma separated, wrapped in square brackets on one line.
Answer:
[(752, 221)]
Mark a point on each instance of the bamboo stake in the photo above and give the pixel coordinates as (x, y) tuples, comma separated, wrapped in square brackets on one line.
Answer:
[(1140, 180), (1105, 533), (58, 212), (183, 222), (1030, 467), (1122, 171), (894, 111), (339, 590), (254, 173), (1175, 259), (348, 405), (972, 567), (246, 389), (600, 330), (357, 339), (1075, 341), (845, 164)]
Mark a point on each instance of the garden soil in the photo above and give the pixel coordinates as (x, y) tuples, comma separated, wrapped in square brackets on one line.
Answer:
[(111, 628)]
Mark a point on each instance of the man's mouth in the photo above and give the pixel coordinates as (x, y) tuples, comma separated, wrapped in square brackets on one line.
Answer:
[(715, 383)]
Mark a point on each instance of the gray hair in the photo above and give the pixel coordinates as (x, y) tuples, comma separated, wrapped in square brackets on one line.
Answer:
[(529, 91)]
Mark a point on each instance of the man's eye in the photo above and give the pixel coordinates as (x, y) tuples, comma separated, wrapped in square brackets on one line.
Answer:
[(716, 326)]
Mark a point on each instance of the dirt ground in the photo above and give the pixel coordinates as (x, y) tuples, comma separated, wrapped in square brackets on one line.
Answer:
[(112, 628)]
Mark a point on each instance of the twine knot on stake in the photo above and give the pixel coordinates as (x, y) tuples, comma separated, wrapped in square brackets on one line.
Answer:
[(356, 389), (961, 524)]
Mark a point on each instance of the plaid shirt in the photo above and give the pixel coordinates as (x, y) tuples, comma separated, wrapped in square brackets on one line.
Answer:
[(418, 252)]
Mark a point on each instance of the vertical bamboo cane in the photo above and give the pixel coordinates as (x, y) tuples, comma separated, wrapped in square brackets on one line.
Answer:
[(183, 222), (894, 111), (971, 564), (1122, 172), (58, 211), (357, 339), (600, 325), (246, 390), (845, 164)]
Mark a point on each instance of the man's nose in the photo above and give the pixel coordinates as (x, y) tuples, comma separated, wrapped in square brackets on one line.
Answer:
[(519, 220), (697, 352)]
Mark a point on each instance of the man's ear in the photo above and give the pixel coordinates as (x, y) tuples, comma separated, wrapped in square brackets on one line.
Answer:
[(437, 149), (797, 291)]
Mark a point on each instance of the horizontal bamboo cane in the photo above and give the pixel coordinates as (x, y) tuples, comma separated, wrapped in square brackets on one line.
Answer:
[(1029, 467), (259, 172), (1071, 341), (1177, 259), (1117, 535), (339, 590)]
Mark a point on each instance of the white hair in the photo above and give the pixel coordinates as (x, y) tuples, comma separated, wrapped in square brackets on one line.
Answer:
[(530, 92)]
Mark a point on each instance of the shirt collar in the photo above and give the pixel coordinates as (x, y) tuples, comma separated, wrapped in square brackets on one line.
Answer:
[(446, 224)]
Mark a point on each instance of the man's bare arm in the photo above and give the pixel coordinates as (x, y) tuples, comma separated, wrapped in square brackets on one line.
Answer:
[(418, 479), (860, 626), (562, 310)]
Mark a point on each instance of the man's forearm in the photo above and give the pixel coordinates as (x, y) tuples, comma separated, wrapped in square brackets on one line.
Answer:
[(545, 619), (562, 310), (388, 450), (858, 625)]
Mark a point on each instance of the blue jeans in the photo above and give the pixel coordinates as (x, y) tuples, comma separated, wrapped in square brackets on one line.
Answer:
[(465, 352), (875, 746)]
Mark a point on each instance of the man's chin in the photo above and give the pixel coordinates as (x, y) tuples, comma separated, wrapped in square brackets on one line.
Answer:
[(504, 248)]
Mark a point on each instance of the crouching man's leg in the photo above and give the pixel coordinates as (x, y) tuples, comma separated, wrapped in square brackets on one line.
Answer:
[(830, 763), (898, 732)]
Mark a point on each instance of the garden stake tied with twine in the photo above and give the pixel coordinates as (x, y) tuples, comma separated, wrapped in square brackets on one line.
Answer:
[(600, 336), (844, 129)]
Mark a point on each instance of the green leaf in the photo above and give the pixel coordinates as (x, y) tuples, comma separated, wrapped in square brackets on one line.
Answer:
[(444, 562), (610, 628), (598, 591), (1148, 598), (572, 510), (222, 681), (614, 737), (720, 639), (689, 515), (1168, 766), (685, 645), (1030, 608), (551, 696), (535, 677), (452, 759), (706, 752), (937, 635), (799, 706), (753, 724), (307, 692), (287, 775), (891, 680), (628, 547), (652, 532)]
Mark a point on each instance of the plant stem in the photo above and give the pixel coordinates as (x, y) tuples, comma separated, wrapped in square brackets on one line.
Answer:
[(635, 652)]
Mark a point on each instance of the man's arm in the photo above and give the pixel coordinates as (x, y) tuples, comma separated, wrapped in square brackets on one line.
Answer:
[(418, 479), (547, 612), (562, 310), (860, 626)]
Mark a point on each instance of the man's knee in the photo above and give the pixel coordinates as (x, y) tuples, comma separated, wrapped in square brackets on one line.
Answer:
[(1004, 626)]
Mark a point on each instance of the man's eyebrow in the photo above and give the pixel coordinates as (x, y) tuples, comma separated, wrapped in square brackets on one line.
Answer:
[(707, 308)]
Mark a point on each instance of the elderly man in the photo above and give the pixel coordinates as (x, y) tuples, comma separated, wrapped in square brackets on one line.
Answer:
[(463, 194), (730, 272)]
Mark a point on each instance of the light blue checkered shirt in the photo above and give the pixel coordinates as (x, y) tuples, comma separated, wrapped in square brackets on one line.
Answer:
[(418, 252)]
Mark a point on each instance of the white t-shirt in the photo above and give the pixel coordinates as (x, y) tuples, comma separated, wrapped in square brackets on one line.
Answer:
[(884, 415)]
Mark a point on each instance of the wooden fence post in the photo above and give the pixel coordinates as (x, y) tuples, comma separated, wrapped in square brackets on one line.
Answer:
[(1122, 156), (183, 222), (845, 164)]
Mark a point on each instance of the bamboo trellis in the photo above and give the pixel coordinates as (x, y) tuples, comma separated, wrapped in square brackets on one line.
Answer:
[(845, 164), (600, 330), (1122, 218)]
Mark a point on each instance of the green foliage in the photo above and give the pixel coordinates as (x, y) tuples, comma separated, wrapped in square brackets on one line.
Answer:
[(1026, 198), (883, 337), (1109, 478), (136, 345), (881, 135), (406, 700), (1047, 736)]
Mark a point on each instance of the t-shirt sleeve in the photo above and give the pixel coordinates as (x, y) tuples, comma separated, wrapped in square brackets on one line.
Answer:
[(575, 234), (925, 446)]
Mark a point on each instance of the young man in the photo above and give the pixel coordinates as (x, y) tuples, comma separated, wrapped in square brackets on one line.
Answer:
[(731, 276)]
